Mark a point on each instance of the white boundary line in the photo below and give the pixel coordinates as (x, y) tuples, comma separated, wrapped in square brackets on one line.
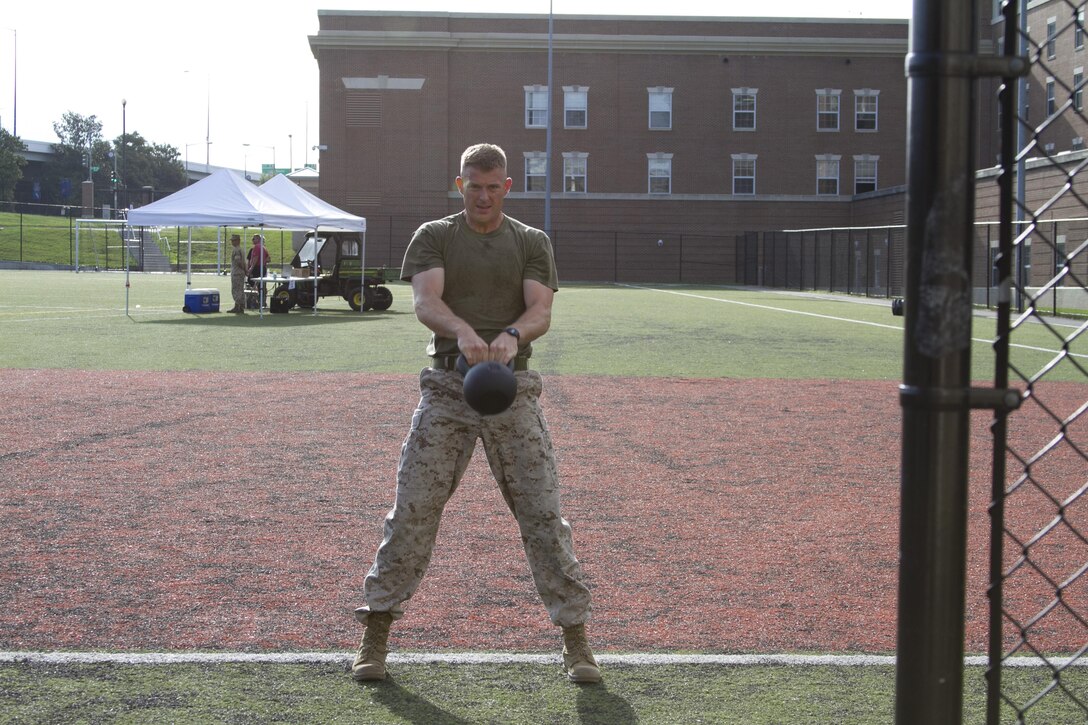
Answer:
[(882, 325), (483, 658)]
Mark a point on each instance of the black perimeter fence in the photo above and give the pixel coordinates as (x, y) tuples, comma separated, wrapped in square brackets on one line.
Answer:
[(867, 261), (1039, 507)]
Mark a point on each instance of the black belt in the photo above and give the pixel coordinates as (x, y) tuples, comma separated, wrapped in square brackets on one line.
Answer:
[(449, 362)]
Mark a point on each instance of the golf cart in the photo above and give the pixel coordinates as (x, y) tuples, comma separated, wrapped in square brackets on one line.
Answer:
[(335, 259)]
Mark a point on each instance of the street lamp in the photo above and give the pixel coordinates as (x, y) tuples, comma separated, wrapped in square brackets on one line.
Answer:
[(14, 82), (198, 143), (290, 152), (261, 146), (124, 142)]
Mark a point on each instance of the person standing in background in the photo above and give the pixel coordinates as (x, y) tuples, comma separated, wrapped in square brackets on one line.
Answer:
[(237, 275)]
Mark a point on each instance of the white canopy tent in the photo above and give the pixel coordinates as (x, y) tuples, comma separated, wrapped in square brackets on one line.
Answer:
[(220, 199), (225, 198), (330, 218)]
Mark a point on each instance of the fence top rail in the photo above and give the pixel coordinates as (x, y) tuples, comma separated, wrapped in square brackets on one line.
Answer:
[(977, 223), (843, 229)]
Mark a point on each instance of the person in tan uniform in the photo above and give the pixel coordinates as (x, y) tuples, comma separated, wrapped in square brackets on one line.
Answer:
[(238, 270), (483, 284)]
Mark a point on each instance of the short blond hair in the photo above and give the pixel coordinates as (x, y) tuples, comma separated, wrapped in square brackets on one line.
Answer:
[(483, 157)]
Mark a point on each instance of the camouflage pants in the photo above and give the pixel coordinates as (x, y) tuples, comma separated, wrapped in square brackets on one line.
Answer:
[(433, 459), (237, 289)]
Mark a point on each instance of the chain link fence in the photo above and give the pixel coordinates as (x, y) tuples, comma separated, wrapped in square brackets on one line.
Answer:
[(865, 261), (1039, 527)]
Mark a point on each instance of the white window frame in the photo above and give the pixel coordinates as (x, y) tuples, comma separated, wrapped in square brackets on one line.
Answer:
[(866, 168), (862, 99), (744, 170), (536, 106), (536, 170), (1051, 101), (575, 167), (828, 105), (827, 170), (662, 107), (1078, 88), (1051, 38), (656, 163), (741, 113), (575, 101), (1078, 29)]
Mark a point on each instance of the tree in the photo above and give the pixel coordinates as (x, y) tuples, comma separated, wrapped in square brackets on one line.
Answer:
[(143, 164), (119, 169), (79, 150), (76, 131), (11, 164)]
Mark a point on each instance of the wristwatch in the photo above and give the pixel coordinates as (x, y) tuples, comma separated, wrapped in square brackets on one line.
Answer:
[(513, 332)]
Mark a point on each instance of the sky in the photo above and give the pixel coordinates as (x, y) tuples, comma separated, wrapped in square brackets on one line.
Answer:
[(239, 73)]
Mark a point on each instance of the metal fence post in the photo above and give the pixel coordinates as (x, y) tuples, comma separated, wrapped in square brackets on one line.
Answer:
[(936, 370), (680, 270), (615, 256)]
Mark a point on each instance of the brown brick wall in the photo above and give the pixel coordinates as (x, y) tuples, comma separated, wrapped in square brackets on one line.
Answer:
[(392, 154)]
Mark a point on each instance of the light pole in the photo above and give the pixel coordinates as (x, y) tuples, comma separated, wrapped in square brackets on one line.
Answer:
[(14, 82), (198, 143), (124, 142), (290, 153), (261, 146), (208, 131)]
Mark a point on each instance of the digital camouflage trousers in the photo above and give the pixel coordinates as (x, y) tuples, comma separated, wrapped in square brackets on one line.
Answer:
[(433, 459)]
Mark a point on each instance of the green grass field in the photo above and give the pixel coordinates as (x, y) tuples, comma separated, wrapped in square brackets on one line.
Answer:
[(78, 321), (440, 694), (68, 320), (55, 240)]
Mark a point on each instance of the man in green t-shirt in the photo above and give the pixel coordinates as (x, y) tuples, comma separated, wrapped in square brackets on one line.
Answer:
[(483, 284)]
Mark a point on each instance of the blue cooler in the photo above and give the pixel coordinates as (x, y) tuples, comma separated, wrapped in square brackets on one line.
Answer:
[(201, 300)]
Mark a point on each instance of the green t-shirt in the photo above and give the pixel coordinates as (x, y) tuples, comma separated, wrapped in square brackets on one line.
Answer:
[(483, 272)]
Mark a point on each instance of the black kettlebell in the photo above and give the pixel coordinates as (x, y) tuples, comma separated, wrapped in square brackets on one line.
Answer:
[(490, 387)]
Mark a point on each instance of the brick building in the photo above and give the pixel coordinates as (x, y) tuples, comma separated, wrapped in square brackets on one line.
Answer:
[(669, 135), (1053, 131)]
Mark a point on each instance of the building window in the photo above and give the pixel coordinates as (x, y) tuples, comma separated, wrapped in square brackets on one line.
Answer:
[(827, 109), (827, 175), (574, 172), (536, 106), (744, 174), (660, 108), (536, 170), (659, 171), (1051, 104), (865, 173), (1078, 89), (865, 109), (575, 106), (1078, 29), (1051, 37), (744, 109)]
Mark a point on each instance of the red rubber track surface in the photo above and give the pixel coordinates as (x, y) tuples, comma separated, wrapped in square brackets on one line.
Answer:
[(240, 511)]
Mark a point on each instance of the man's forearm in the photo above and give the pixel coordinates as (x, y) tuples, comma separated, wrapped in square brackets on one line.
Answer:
[(440, 319)]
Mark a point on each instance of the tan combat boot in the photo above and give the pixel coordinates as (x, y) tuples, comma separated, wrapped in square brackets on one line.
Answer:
[(370, 662), (578, 657)]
